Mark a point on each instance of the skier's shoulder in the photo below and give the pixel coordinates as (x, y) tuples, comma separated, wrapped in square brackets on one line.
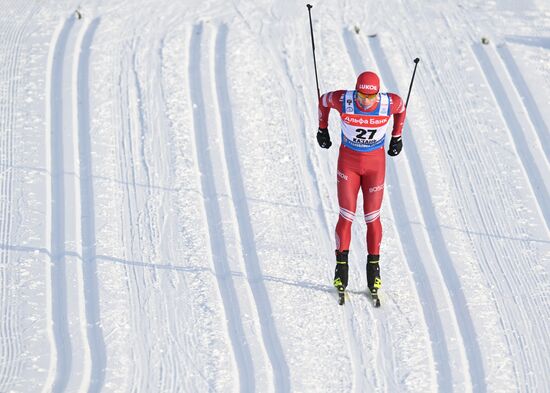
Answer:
[(396, 103), (333, 98)]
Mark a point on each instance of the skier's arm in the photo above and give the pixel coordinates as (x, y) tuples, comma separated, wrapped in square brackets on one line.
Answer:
[(328, 101), (399, 112)]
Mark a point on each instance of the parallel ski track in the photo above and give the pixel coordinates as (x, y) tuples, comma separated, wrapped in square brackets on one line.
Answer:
[(60, 97), (10, 335), (241, 351), (61, 351), (356, 350), (182, 294), (375, 340), (281, 373), (528, 100), (455, 131), (8, 326), (498, 259), (411, 252), (444, 120), (520, 129), (357, 347), (444, 261), (533, 363), (356, 324), (90, 286)]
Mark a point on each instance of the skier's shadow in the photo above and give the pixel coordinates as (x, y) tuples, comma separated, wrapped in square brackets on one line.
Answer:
[(311, 285), (314, 286)]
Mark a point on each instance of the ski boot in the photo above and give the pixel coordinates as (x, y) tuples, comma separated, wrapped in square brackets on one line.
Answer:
[(341, 275), (373, 278)]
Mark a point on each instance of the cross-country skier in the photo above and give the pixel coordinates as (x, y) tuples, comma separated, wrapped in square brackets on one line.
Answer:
[(364, 113)]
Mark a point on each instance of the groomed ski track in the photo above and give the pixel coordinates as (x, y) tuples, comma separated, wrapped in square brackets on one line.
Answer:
[(78, 348), (12, 335), (167, 217)]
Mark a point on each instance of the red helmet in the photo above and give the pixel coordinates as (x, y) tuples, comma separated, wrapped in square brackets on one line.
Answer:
[(368, 83)]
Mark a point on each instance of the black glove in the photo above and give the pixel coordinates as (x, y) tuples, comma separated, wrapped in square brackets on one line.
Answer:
[(323, 137), (396, 144)]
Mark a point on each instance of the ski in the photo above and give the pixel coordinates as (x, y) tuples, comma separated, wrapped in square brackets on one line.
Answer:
[(374, 297), (341, 298), (374, 285), (341, 295)]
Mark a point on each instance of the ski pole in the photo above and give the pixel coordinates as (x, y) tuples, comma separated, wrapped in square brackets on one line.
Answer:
[(412, 80), (309, 6)]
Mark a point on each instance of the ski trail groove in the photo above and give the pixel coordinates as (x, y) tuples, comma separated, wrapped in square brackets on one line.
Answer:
[(415, 258), (60, 363), (533, 363), (93, 331), (397, 199), (444, 260), (483, 213), (519, 128), (240, 205), (10, 335), (528, 100), (78, 350), (219, 255), (312, 181), (382, 380)]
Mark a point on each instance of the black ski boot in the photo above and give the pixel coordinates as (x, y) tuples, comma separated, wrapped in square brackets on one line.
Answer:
[(341, 274), (373, 278)]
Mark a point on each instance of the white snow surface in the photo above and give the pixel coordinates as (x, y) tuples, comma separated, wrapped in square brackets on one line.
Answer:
[(167, 217)]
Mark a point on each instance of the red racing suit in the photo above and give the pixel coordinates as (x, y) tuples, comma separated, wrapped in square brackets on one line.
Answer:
[(362, 159)]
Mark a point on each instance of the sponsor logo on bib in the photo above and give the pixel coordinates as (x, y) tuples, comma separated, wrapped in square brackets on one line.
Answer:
[(362, 120)]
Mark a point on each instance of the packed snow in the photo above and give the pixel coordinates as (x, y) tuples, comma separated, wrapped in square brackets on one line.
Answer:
[(167, 217)]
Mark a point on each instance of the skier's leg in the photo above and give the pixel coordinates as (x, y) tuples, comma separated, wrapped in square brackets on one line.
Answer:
[(348, 187), (374, 237), (372, 185)]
